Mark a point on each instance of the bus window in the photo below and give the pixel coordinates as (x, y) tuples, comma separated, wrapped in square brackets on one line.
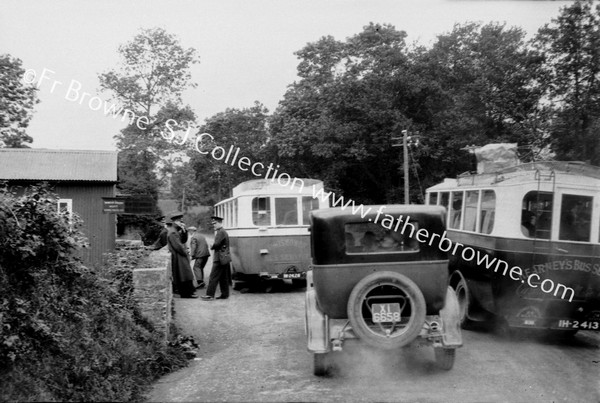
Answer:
[(286, 211), (444, 199), (575, 218), (308, 204), (261, 211), (471, 201), (235, 213), (456, 210), (488, 211), (433, 198), (536, 215)]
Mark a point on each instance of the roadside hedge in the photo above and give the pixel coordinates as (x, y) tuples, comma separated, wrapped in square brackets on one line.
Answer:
[(67, 332)]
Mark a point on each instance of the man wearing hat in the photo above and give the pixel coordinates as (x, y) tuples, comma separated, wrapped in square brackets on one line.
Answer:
[(183, 278), (221, 258), (199, 252)]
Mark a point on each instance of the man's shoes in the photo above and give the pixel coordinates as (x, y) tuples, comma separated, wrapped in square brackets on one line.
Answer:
[(221, 297), (190, 296), (207, 298)]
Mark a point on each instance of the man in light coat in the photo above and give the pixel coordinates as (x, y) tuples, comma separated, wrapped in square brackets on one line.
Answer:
[(200, 253)]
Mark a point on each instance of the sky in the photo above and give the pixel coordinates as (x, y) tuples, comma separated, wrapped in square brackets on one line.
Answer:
[(246, 47)]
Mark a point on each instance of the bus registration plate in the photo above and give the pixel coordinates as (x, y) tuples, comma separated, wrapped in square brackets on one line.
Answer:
[(576, 324), (386, 312)]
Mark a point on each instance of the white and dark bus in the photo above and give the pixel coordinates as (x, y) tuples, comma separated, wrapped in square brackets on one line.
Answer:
[(268, 226), (542, 218)]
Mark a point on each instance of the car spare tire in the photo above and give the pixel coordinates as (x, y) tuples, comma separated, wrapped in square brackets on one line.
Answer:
[(386, 310)]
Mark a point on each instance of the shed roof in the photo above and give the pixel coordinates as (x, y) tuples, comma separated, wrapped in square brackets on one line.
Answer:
[(58, 165)]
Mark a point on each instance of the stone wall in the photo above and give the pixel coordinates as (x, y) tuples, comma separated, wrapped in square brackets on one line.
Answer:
[(153, 290)]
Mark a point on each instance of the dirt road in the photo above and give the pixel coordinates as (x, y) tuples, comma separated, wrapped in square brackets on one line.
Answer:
[(253, 348)]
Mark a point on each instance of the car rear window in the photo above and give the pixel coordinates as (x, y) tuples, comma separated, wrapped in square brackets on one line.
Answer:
[(369, 238)]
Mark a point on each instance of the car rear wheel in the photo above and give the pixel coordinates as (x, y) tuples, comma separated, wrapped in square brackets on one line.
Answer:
[(444, 357), (386, 310)]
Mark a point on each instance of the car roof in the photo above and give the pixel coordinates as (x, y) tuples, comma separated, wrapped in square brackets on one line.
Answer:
[(372, 210)]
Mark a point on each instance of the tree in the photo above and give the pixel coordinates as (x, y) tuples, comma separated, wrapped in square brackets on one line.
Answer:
[(17, 100), (208, 181), (335, 123), (479, 90), (147, 86), (570, 79)]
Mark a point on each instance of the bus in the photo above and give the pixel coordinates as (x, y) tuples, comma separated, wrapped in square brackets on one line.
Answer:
[(539, 226), (268, 226)]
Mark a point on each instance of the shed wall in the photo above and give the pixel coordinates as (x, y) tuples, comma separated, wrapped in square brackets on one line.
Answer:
[(99, 227)]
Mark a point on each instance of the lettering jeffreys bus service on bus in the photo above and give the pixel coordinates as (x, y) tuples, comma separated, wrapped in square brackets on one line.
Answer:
[(575, 265)]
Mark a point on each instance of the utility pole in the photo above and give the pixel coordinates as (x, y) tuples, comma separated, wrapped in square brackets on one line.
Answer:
[(183, 199), (404, 145)]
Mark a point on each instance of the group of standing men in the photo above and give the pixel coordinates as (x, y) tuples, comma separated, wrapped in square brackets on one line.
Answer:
[(175, 235)]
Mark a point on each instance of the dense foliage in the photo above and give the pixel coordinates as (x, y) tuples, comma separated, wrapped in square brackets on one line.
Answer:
[(67, 333), (16, 103), (570, 78)]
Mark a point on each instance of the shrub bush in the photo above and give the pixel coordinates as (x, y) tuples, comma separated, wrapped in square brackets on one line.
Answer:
[(68, 333)]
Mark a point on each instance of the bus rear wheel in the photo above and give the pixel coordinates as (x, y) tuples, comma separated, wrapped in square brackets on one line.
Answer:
[(444, 357), (299, 282), (322, 365)]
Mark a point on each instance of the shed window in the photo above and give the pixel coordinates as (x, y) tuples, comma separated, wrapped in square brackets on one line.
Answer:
[(65, 208)]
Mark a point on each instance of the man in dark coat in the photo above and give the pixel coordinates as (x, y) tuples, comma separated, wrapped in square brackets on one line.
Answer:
[(183, 278), (220, 274)]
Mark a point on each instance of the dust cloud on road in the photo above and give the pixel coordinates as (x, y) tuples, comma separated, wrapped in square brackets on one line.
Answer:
[(253, 348)]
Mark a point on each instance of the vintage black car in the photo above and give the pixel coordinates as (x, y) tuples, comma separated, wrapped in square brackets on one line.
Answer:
[(377, 278)]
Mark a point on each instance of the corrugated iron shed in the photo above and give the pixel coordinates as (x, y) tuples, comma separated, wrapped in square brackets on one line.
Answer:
[(59, 165)]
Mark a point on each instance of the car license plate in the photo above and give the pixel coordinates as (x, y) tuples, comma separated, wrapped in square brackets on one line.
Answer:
[(576, 324), (292, 275), (386, 312)]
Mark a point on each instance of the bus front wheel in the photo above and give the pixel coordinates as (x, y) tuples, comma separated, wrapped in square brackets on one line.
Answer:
[(464, 298)]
